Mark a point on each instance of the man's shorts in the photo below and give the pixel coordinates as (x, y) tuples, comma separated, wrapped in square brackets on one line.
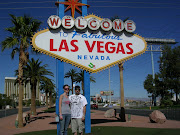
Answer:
[(77, 123)]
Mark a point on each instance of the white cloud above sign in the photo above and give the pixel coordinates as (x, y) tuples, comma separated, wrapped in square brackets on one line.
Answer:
[(92, 51)]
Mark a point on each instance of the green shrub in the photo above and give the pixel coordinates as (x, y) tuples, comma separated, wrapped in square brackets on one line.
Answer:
[(176, 102), (28, 102), (53, 100), (24, 102), (166, 103), (38, 103)]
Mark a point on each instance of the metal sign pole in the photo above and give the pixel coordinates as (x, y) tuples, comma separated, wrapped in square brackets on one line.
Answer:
[(87, 95), (60, 72), (87, 85)]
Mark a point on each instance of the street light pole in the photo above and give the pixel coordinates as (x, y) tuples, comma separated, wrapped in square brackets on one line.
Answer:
[(109, 88), (152, 61)]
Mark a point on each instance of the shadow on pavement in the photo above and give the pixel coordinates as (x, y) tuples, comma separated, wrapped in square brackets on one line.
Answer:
[(98, 121), (53, 122), (41, 117), (40, 112)]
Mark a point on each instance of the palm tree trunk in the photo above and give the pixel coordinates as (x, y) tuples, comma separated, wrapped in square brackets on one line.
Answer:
[(122, 113), (176, 96), (46, 99), (50, 98), (82, 85), (20, 112), (152, 100), (72, 85), (20, 77), (171, 93), (33, 99)]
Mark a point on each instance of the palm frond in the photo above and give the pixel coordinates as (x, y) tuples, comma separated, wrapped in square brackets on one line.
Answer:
[(36, 72), (8, 43), (126, 19), (22, 31), (71, 73), (14, 51)]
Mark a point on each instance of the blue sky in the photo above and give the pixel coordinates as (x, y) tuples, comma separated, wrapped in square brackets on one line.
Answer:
[(153, 18)]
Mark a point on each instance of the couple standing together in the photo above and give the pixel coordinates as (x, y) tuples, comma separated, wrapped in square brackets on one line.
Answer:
[(72, 108)]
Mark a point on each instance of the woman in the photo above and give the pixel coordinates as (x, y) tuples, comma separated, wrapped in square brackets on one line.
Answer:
[(64, 111)]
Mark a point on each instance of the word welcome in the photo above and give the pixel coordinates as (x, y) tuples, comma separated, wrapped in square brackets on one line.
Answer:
[(93, 23)]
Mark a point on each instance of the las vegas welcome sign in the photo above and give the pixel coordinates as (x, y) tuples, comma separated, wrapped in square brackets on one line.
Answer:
[(90, 43)]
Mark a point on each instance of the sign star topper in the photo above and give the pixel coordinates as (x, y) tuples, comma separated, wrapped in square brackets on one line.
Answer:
[(73, 4)]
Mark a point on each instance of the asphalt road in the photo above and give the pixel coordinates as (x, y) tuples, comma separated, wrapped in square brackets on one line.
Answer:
[(8, 112), (171, 113)]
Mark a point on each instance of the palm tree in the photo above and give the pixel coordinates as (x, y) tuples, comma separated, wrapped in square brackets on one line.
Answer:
[(48, 86), (122, 113), (73, 74), (51, 97), (51, 92), (21, 31), (80, 79), (35, 73)]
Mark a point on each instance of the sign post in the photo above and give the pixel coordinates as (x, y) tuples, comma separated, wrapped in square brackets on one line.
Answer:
[(87, 86), (60, 72), (87, 95)]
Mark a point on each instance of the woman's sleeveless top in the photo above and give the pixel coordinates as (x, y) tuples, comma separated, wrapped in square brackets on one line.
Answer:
[(65, 107)]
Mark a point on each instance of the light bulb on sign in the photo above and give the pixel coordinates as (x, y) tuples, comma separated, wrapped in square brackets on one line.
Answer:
[(80, 23), (130, 26), (54, 21), (67, 22)]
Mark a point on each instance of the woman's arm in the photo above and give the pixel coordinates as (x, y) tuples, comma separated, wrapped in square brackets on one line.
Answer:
[(60, 105)]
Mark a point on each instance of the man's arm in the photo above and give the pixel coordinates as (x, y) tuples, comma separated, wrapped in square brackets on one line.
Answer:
[(84, 113), (84, 108)]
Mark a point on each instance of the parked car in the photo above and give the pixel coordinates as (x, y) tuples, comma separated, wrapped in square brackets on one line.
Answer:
[(94, 106)]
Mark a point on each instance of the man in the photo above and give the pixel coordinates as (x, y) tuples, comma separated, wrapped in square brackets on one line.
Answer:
[(78, 111)]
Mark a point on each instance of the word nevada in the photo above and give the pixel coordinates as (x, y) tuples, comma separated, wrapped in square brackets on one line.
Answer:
[(92, 23)]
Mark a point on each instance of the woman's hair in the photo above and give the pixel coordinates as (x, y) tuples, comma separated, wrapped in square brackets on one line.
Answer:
[(65, 86)]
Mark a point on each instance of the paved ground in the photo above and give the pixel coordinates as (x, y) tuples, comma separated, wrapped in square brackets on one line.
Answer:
[(46, 121)]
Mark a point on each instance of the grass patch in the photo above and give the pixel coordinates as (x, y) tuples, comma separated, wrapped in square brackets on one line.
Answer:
[(115, 131), (50, 110)]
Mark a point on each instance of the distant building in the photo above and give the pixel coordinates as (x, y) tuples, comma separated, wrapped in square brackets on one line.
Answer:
[(99, 99), (43, 98), (13, 90)]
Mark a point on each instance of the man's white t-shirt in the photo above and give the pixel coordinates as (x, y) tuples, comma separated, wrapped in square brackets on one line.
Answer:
[(77, 104)]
